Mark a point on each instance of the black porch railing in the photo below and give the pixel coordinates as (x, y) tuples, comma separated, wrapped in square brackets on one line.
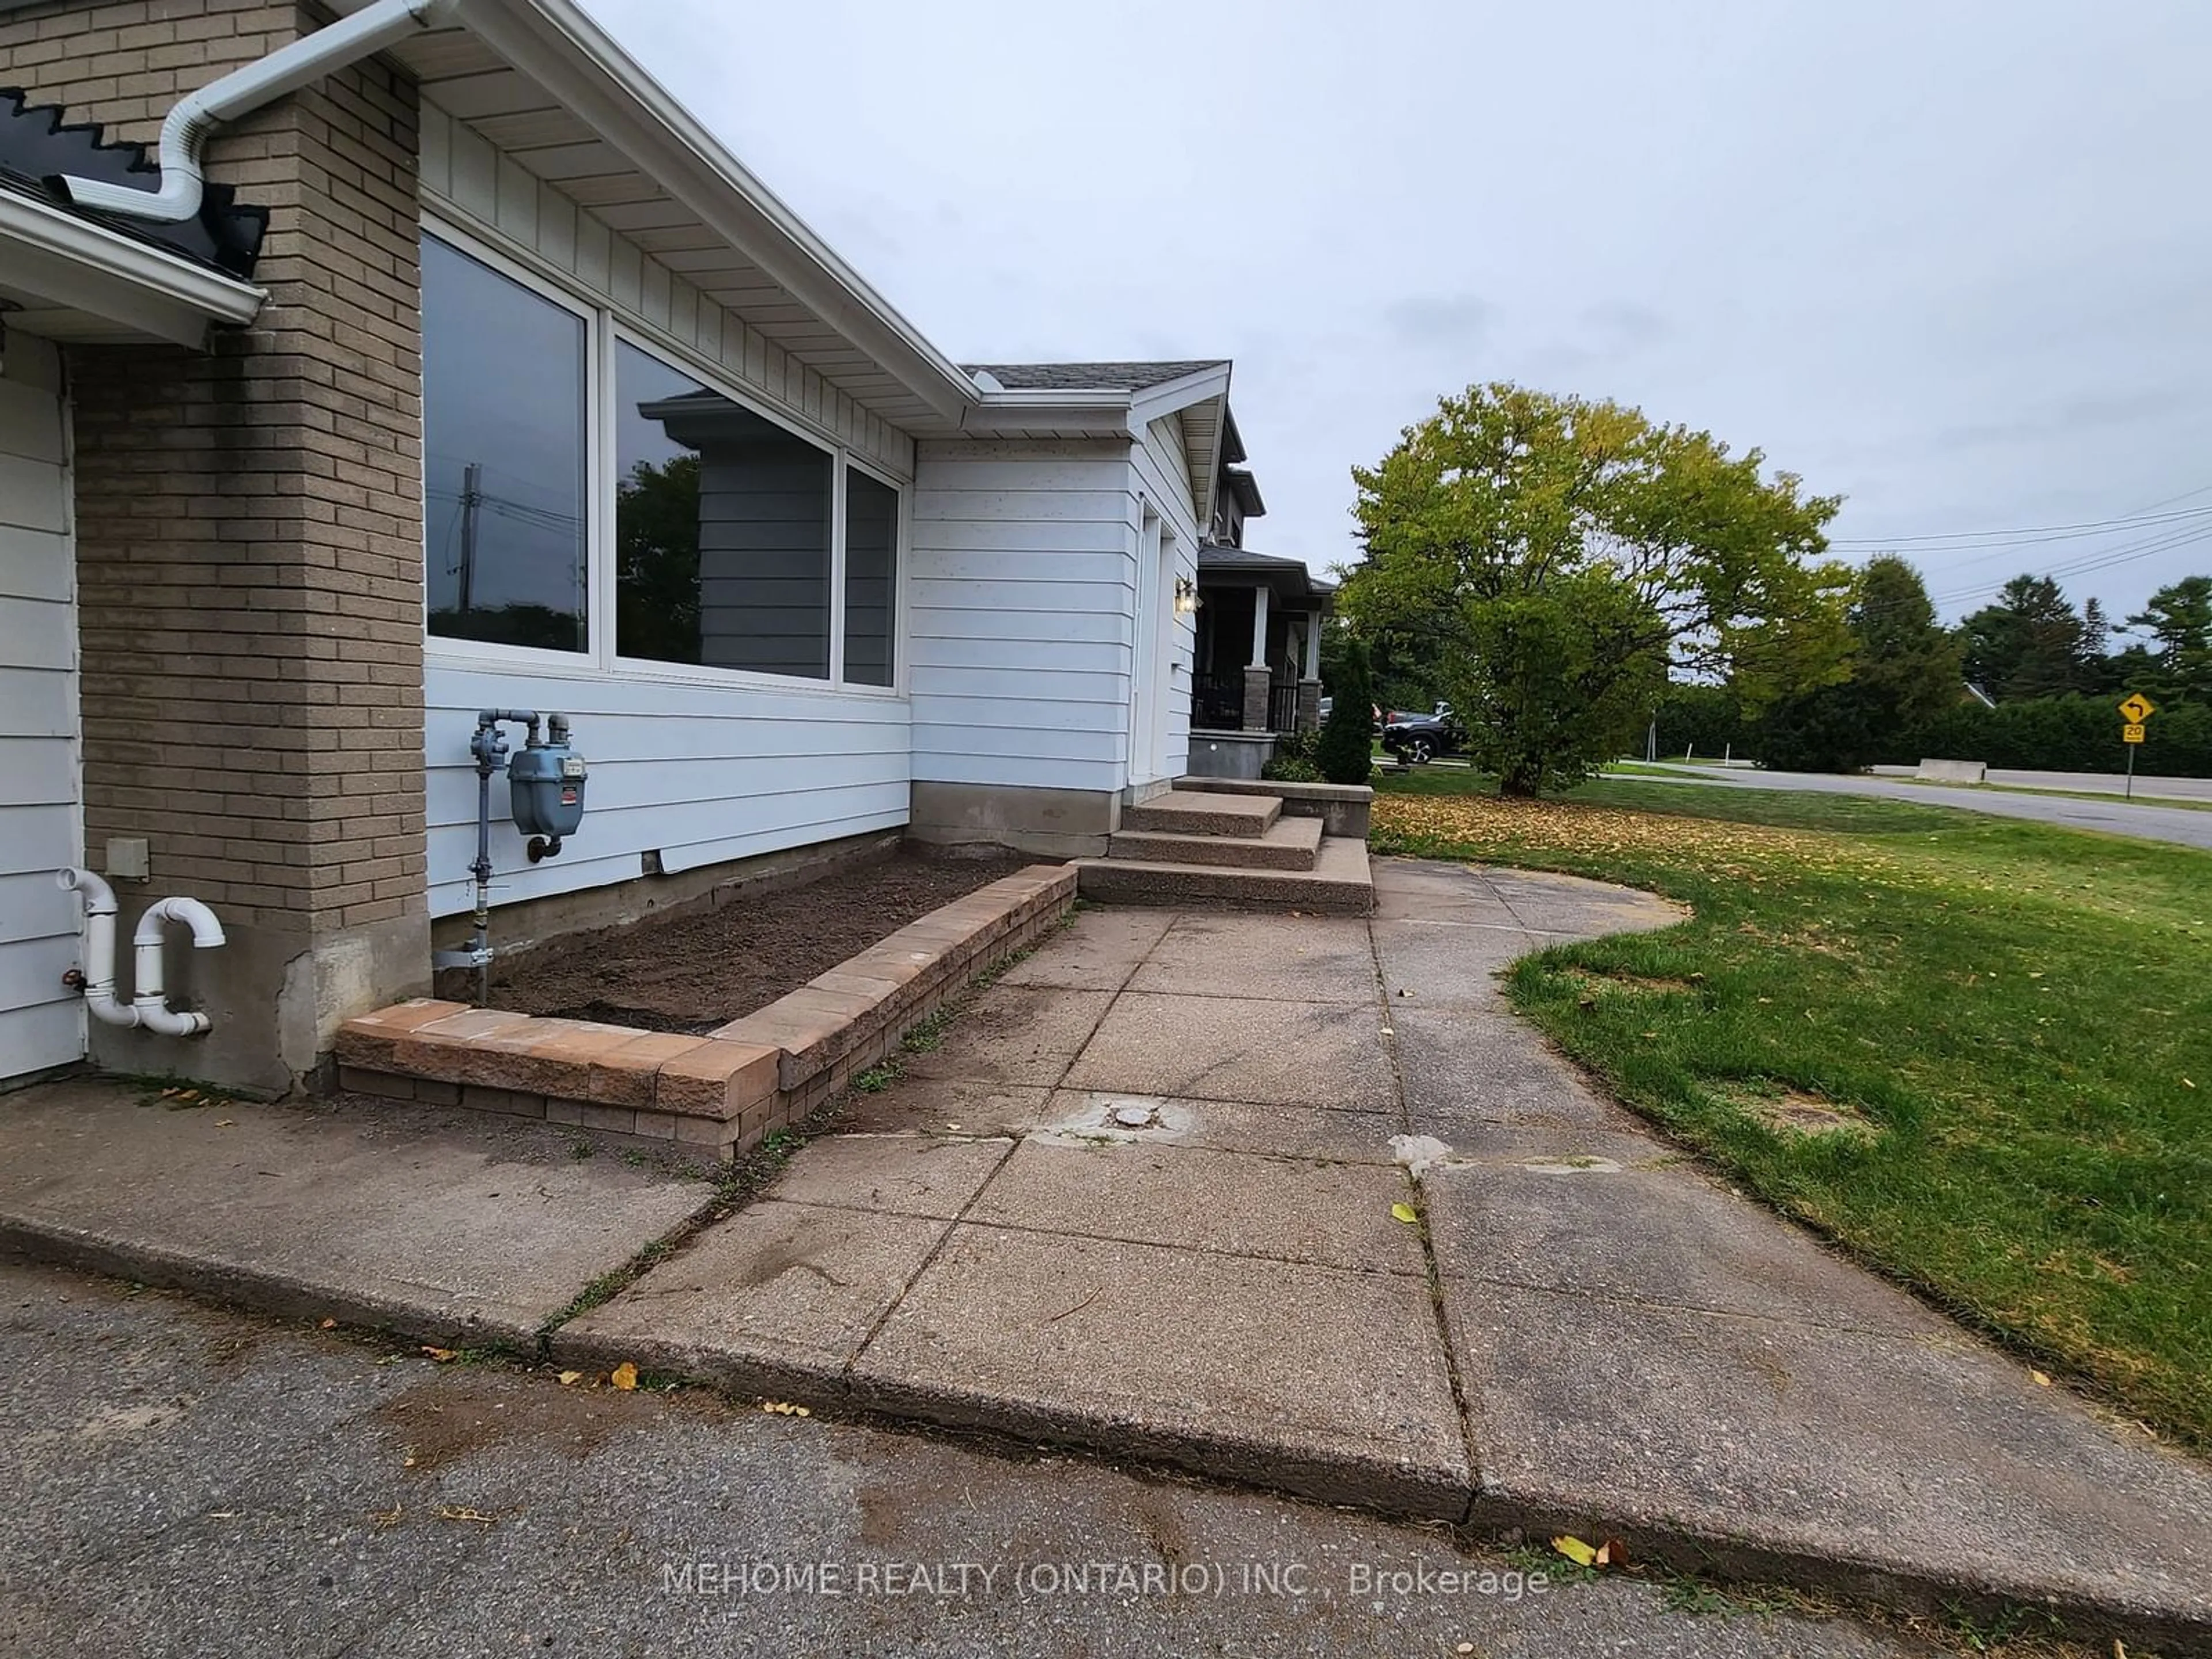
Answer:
[(1217, 703), (1282, 706)]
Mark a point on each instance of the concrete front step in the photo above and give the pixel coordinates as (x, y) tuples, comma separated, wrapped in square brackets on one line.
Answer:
[(1289, 844), (1338, 884), (1205, 813)]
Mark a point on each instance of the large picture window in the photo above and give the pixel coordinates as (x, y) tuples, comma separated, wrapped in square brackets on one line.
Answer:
[(504, 468), (564, 458), (722, 522)]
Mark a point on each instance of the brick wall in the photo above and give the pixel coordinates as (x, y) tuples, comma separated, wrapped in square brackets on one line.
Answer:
[(249, 546)]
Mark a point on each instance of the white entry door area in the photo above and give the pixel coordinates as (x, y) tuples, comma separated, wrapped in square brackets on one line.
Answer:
[(41, 1020), (1153, 663)]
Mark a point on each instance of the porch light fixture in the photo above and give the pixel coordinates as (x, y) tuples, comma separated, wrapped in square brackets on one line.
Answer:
[(1186, 598)]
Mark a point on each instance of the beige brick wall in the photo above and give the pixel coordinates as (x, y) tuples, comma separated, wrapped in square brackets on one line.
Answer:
[(250, 554)]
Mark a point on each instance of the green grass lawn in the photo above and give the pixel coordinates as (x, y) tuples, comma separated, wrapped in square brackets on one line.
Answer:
[(2020, 1015)]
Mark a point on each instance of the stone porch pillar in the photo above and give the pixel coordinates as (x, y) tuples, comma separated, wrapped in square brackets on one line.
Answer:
[(1256, 683)]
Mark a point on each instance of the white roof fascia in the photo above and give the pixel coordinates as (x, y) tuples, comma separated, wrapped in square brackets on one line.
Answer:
[(557, 46), (82, 266), (1104, 412), (1169, 396)]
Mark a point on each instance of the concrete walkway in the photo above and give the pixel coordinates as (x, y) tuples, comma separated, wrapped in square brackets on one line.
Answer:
[(1141, 1199)]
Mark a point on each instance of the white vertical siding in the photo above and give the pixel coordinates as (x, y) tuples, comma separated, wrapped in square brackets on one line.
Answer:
[(697, 773), (1020, 600), (41, 1022), (466, 178), (1164, 470)]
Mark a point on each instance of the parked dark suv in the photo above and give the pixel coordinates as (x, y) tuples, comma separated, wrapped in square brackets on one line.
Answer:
[(1416, 739)]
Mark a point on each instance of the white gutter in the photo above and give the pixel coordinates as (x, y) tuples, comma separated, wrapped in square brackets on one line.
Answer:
[(74, 265), (241, 92)]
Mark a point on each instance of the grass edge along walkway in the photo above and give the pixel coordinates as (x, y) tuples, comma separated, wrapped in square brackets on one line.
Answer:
[(2009, 1018)]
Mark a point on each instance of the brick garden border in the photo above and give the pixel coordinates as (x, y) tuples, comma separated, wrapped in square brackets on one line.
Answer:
[(720, 1092)]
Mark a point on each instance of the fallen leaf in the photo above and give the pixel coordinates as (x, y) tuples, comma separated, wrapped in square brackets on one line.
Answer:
[(386, 1518), (569, 1379), (454, 1512), (2186, 1084), (625, 1375), (1575, 1550), (785, 1408), (1403, 1212), (225, 1123), (2041, 1380), (442, 1355), (328, 1325)]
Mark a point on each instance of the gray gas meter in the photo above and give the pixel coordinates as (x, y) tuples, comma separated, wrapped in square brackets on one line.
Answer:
[(545, 787)]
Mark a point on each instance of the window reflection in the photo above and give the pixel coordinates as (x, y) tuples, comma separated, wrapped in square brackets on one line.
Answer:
[(871, 577), (503, 458), (722, 524)]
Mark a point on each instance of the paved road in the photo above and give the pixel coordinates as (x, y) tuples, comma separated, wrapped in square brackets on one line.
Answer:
[(192, 1482), (2093, 783), (2183, 826)]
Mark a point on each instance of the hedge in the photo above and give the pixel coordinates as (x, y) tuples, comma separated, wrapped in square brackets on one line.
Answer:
[(2065, 734)]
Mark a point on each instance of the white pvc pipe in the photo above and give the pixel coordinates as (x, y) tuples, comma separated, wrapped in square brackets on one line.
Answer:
[(151, 1004), (243, 91), (99, 946), (149, 1008)]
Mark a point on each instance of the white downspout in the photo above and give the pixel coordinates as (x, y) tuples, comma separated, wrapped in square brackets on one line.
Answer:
[(243, 91), (149, 1008)]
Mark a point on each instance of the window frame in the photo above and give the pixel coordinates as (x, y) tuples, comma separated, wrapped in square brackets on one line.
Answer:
[(606, 329), (492, 652), (902, 528)]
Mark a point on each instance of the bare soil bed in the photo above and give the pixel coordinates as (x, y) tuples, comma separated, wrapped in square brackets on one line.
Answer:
[(692, 972)]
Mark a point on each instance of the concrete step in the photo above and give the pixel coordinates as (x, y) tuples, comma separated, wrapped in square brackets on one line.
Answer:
[(1338, 884), (1289, 844), (1205, 813)]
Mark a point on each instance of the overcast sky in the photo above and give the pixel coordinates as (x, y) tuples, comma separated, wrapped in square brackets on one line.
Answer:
[(1952, 261)]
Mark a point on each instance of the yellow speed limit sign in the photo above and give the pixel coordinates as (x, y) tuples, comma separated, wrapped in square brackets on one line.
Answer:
[(2135, 710), (2132, 732)]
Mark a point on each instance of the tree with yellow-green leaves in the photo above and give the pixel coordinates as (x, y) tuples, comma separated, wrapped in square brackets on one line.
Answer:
[(1561, 558)]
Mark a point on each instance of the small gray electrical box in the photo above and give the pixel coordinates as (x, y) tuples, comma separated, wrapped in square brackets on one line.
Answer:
[(127, 858)]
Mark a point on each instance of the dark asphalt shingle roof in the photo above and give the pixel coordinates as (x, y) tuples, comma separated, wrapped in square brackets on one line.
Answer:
[(1088, 377), (1219, 556)]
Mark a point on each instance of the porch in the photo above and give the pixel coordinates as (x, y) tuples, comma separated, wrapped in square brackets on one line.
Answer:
[(1256, 668)]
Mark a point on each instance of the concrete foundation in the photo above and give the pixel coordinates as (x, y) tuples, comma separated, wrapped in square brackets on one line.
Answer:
[(1231, 754), (274, 975), (520, 927), (1062, 823)]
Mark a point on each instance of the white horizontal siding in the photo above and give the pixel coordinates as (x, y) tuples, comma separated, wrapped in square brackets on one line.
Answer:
[(1164, 473), (699, 774), (1020, 598), (41, 1021), (465, 177)]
